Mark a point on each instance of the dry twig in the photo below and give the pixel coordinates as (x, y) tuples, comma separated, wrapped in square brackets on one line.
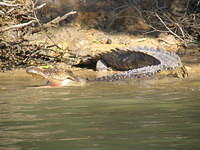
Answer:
[(8, 5), (57, 20), (168, 28), (17, 26)]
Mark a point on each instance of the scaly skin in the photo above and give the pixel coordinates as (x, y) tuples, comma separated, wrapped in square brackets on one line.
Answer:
[(169, 64), (134, 63), (55, 77)]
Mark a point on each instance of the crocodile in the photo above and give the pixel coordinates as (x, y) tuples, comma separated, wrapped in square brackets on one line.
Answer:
[(132, 63)]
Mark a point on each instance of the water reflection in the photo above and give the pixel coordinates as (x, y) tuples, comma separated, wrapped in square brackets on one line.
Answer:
[(146, 115)]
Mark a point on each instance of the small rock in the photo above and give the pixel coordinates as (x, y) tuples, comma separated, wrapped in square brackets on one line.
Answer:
[(109, 41)]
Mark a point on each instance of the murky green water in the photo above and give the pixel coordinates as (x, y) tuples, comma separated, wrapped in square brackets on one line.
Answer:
[(146, 115)]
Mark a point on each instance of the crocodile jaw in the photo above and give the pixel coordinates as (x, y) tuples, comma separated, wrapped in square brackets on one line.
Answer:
[(61, 83), (36, 72), (53, 80)]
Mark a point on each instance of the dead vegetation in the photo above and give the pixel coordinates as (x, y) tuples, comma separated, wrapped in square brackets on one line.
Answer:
[(184, 25), (19, 18)]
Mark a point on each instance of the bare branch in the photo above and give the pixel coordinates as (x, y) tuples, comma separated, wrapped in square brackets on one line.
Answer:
[(8, 5), (59, 19), (1, 12), (177, 25), (39, 7), (18, 26), (168, 28)]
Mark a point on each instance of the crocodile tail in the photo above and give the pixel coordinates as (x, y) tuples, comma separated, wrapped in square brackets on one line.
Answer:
[(155, 61)]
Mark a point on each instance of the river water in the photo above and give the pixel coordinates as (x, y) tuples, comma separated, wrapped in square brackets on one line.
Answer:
[(141, 115)]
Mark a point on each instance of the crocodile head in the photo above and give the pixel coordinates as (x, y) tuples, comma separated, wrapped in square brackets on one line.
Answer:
[(55, 77)]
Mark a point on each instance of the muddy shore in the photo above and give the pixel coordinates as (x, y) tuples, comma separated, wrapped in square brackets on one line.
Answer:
[(87, 33)]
